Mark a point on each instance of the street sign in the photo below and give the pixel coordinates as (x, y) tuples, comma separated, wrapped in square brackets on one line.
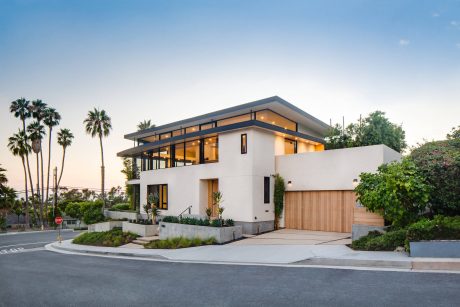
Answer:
[(58, 220)]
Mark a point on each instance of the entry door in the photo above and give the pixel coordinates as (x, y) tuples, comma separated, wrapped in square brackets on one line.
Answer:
[(213, 186)]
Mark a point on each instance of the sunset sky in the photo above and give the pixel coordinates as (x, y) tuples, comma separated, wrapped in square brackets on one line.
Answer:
[(169, 60)]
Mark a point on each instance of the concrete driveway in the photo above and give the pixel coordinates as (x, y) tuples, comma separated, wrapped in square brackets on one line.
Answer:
[(297, 237)]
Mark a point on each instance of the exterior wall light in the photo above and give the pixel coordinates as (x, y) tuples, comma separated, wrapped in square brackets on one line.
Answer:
[(289, 184)]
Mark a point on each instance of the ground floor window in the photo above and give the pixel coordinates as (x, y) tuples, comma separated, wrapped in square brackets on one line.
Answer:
[(136, 197), (266, 190), (162, 191)]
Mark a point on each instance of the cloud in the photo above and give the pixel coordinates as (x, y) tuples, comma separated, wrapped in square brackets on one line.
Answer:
[(404, 42), (455, 23), (435, 15), (458, 45)]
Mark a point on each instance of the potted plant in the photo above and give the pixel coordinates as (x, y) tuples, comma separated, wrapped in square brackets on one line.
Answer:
[(154, 201), (209, 213), (218, 200)]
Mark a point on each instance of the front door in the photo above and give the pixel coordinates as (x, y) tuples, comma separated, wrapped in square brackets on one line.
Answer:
[(213, 186)]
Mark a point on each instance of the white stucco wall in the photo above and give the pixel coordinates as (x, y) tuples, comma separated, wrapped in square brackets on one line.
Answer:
[(332, 169), (240, 179)]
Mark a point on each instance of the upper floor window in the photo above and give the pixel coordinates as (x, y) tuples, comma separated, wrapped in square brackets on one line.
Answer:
[(234, 120), (275, 119), (192, 129), (210, 150), (244, 143)]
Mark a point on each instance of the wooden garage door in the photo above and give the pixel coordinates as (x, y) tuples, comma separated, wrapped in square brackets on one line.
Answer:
[(320, 210)]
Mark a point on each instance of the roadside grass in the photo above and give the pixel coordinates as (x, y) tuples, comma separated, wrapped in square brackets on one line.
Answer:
[(179, 242), (112, 238)]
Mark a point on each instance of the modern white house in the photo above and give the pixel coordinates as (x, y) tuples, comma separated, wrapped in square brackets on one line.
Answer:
[(237, 151)]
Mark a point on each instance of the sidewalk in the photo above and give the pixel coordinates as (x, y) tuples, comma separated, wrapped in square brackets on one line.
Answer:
[(295, 255)]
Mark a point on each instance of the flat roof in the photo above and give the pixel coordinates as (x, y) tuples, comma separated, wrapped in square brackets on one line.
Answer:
[(274, 103)]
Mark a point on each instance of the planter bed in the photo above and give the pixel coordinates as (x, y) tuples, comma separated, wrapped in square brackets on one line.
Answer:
[(141, 230), (220, 234), (438, 249), (118, 215), (104, 226)]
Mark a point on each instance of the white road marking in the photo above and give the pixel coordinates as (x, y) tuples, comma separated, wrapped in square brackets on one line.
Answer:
[(22, 244), (20, 250)]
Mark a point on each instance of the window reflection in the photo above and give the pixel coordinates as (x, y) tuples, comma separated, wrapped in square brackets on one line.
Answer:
[(272, 118)]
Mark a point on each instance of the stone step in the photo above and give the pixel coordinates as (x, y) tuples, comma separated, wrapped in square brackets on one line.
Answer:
[(139, 242)]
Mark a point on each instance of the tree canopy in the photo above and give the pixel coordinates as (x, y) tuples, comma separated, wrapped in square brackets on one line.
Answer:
[(373, 130)]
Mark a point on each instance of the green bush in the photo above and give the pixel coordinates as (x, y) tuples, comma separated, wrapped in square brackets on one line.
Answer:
[(2, 223), (170, 219), (121, 207), (377, 241), (179, 242), (229, 222), (112, 238), (92, 212), (439, 228)]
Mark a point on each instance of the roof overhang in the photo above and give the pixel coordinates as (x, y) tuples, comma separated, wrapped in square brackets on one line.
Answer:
[(135, 151), (274, 103)]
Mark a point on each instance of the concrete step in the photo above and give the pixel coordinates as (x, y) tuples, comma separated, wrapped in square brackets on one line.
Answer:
[(147, 239)]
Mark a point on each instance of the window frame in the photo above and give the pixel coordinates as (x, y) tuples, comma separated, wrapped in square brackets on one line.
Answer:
[(244, 143), (266, 190)]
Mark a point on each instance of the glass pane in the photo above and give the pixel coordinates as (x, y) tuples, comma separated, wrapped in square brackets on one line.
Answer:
[(165, 157), (177, 132), (180, 155), (244, 143), (149, 139), (155, 159), (192, 129), (164, 136), (234, 120), (270, 117), (192, 153), (211, 150), (207, 126)]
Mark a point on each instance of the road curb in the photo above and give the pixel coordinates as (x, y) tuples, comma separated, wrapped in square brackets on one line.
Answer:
[(434, 266)]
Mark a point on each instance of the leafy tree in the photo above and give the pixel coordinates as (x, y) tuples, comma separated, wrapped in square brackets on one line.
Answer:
[(99, 124), (7, 195), (397, 191), (64, 138), (21, 109), (128, 172), (454, 134), (19, 146), (38, 108), (439, 162), (51, 119), (278, 198), (74, 211), (146, 124), (373, 130), (18, 208), (36, 132)]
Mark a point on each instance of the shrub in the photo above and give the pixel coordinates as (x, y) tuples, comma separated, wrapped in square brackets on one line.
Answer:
[(439, 228), (121, 207), (397, 192), (2, 223), (278, 198), (170, 219), (74, 210), (92, 212), (376, 241), (229, 222), (179, 242), (439, 162), (112, 238)]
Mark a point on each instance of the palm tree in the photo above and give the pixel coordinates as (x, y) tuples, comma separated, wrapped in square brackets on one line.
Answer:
[(3, 178), (51, 119), (98, 124), (146, 124), (64, 139), (19, 146), (36, 133), (21, 109), (38, 112)]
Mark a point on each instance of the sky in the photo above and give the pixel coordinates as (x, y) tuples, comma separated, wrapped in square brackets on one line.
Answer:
[(170, 60)]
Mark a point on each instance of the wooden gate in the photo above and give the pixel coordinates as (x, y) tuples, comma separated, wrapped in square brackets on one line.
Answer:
[(326, 211)]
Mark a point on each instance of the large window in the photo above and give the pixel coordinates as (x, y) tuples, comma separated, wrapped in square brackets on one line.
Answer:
[(210, 150), (162, 191), (272, 118), (179, 157), (192, 129), (192, 152), (266, 190), (244, 143), (290, 147), (164, 157), (234, 120)]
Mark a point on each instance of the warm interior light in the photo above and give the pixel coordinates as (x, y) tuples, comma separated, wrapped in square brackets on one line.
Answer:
[(273, 123), (262, 117)]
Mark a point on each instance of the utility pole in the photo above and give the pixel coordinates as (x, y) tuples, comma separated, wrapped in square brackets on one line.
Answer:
[(55, 191)]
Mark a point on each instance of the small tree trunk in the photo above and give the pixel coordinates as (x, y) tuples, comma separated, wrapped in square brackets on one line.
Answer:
[(38, 191), (43, 186), (102, 173), (49, 162)]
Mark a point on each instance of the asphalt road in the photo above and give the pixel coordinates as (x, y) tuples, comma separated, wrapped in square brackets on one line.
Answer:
[(37, 277)]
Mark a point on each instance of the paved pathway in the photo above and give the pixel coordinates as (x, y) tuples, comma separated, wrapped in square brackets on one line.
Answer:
[(297, 237)]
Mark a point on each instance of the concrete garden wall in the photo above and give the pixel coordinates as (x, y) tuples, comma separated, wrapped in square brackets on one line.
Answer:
[(104, 226), (141, 230), (441, 249), (220, 234), (118, 215)]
